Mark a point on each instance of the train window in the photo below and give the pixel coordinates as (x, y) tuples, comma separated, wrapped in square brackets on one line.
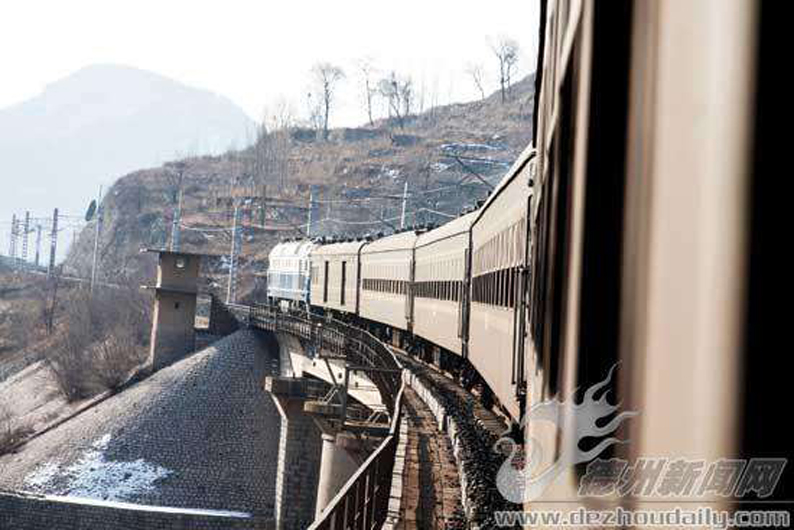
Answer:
[(344, 284), (503, 287), (603, 222), (511, 293), (325, 283)]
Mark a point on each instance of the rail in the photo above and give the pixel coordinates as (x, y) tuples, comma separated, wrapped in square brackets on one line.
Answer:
[(363, 502)]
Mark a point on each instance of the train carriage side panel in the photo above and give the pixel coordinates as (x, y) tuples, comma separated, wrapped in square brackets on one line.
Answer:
[(499, 239), (335, 276), (386, 272), (439, 279)]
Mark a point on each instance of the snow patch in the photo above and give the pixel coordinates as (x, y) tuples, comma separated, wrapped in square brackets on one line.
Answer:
[(146, 507), (460, 146), (94, 476), (42, 475), (390, 173)]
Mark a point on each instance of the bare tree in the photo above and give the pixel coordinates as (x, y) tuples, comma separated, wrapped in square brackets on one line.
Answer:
[(268, 161), (421, 95), (398, 94), (51, 304), (368, 69), (326, 76), (407, 95), (174, 177), (506, 51), (476, 73)]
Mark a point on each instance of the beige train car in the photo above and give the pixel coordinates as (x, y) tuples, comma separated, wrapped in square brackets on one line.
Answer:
[(440, 284), (498, 276), (649, 209), (334, 276), (386, 276)]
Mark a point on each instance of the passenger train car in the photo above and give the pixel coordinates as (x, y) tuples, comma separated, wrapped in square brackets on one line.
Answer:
[(627, 237), (440, 286), (335, 270), (387, 269)]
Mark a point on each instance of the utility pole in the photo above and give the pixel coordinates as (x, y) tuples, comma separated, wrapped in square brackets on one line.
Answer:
[(16, 229), (53, 243), (25, 239), (177, 217), (38, 244), (97, 234), (405, 202), (263, 216), (231, 291), (12, 241), (311, 213), (175, 225)]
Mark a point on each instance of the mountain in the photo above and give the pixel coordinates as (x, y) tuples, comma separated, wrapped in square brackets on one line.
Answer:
[(97, 124)]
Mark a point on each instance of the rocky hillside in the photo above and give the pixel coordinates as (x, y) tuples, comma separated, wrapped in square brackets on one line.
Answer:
[(449, 157)]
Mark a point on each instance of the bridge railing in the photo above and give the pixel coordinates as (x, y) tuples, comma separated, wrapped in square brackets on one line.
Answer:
[(362, 503), (332, 339)]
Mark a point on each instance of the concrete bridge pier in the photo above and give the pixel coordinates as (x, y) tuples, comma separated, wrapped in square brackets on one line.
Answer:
[(298, 455), (342, 454)]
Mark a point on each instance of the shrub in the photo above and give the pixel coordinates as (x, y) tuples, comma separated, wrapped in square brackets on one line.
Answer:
[(10, 432), (102, 341)]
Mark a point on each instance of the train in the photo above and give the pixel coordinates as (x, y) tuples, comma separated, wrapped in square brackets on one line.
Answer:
[(633, 235), (448, 294)]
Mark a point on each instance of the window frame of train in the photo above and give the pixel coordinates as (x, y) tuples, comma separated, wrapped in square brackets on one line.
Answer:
[(325, 282), (344, 283), (554, 240), (604, 208)]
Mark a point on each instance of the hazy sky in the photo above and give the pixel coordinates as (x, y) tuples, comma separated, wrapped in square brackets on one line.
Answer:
[(260, 52)]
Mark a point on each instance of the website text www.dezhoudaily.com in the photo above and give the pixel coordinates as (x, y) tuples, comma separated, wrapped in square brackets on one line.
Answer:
[(700, 517)]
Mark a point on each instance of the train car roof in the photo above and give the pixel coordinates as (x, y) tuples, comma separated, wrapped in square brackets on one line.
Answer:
[(346, 248), (401, 241), (452, 228), (526, 155), (292, 249)]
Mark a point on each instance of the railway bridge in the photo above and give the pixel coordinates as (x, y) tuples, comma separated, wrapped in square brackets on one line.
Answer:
[(368, 436)]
